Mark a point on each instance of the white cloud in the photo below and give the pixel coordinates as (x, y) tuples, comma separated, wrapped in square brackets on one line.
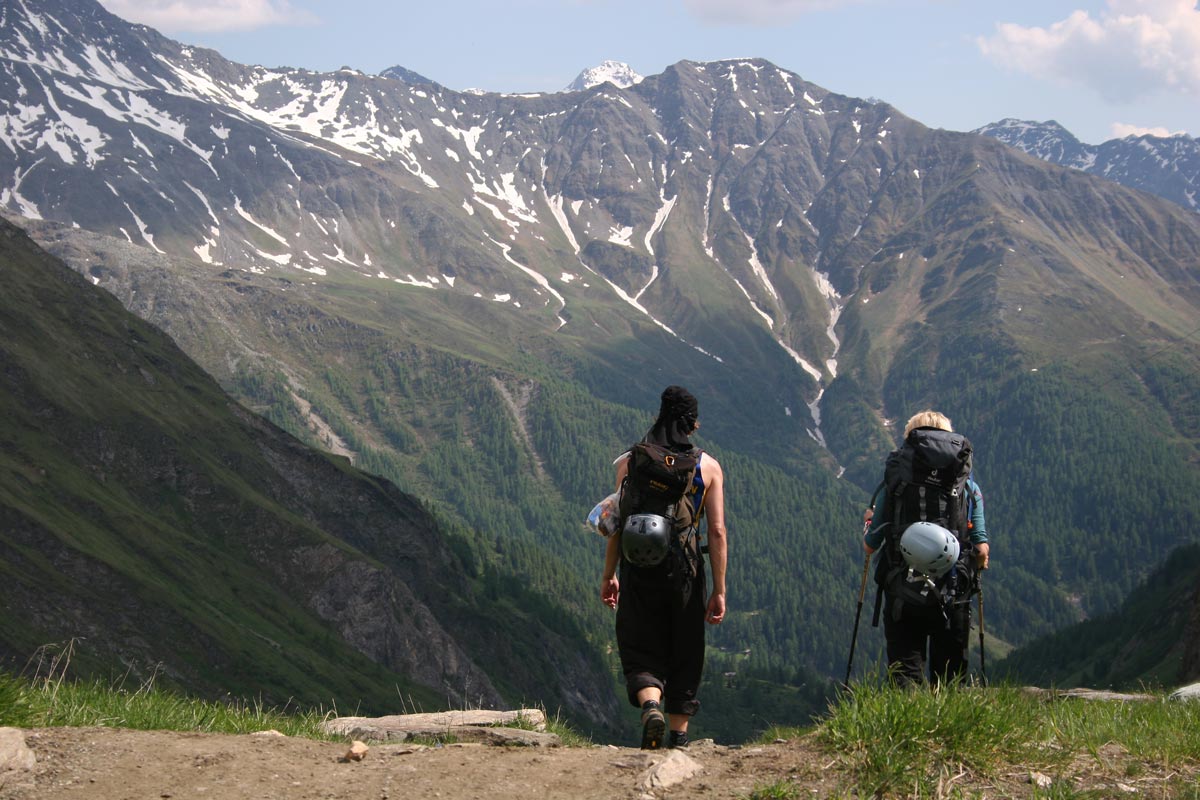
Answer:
[(1121, 129), (208, 16), (1131, 49), (759, 12)]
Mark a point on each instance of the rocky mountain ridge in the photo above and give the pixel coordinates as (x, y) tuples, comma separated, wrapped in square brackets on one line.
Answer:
[(347, 174), (225, 144), (1166, 166)]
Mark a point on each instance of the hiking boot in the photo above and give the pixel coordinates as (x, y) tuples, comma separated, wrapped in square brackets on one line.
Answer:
[(654, 726), (678, 739)]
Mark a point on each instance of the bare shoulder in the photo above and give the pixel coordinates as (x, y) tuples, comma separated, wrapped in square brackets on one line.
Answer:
[(710, 466)]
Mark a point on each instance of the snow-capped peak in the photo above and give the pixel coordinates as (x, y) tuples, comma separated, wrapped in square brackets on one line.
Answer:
[(617, 73)]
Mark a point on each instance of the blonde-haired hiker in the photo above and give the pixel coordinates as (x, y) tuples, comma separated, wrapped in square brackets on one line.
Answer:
[(929, 530)]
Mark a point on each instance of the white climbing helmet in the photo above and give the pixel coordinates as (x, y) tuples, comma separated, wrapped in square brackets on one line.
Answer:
[(929, 548)]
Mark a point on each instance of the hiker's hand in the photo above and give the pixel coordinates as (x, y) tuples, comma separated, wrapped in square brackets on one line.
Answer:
[(981, 555), (716, 609), (870, 550), (610, 590)]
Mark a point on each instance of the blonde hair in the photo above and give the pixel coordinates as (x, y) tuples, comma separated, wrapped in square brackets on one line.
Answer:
[(927, 419)]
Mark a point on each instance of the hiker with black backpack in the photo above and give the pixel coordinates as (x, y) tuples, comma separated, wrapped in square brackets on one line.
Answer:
[(666, 486), (928, 527)]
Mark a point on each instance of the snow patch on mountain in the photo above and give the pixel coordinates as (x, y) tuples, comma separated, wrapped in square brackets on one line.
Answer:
[(534, 275), (660, 218), (617, 73)]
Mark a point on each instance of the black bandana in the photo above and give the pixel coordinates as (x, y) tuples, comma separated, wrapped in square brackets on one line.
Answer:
[(676, 419)]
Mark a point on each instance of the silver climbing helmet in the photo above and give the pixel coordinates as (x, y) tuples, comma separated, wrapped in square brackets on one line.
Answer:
[(645, 539), (929, 548)]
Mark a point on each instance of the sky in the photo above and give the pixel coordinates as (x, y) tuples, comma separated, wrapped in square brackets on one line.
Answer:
[(1102, 68)]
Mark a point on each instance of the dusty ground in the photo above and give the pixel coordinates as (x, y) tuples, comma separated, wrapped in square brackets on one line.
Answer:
[(116, 764)]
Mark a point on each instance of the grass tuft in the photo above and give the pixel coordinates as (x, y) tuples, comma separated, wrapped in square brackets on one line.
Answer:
[(779, 790), (569, 736), (17, 709), (781, 733), (147, 708), (928, 742), (52, 701)]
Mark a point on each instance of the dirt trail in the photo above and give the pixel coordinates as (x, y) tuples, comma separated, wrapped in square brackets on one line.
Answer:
[(118, 764)]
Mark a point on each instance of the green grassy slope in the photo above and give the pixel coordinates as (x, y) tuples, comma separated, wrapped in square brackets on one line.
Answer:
[(1144, 643), (150, 517)]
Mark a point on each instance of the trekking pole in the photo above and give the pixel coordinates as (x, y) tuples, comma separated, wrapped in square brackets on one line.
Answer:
[(862, 591)]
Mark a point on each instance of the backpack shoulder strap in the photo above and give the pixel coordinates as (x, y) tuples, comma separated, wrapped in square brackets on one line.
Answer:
[(696, 511), (698, 503)]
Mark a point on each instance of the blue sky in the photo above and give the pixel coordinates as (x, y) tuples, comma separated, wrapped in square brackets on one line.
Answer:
[(1102, 68)]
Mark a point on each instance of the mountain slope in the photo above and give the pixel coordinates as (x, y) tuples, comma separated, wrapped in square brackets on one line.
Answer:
[(165, 527), (1166, 166), (1150, 641), (480, 297)]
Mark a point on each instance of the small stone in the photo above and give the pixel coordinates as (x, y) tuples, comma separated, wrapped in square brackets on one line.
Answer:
[(1191, 692), (400, 726), (1039, 780), (671, 771), (357, 752), (14, 753)]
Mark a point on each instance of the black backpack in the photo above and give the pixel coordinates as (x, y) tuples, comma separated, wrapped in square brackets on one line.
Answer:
[(926, 479), (658, 481)]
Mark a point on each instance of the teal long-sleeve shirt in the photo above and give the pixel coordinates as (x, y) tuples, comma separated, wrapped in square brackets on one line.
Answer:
[(883, 515)]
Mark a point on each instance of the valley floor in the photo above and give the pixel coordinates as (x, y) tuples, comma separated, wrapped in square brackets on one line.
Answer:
[(115, 764)]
